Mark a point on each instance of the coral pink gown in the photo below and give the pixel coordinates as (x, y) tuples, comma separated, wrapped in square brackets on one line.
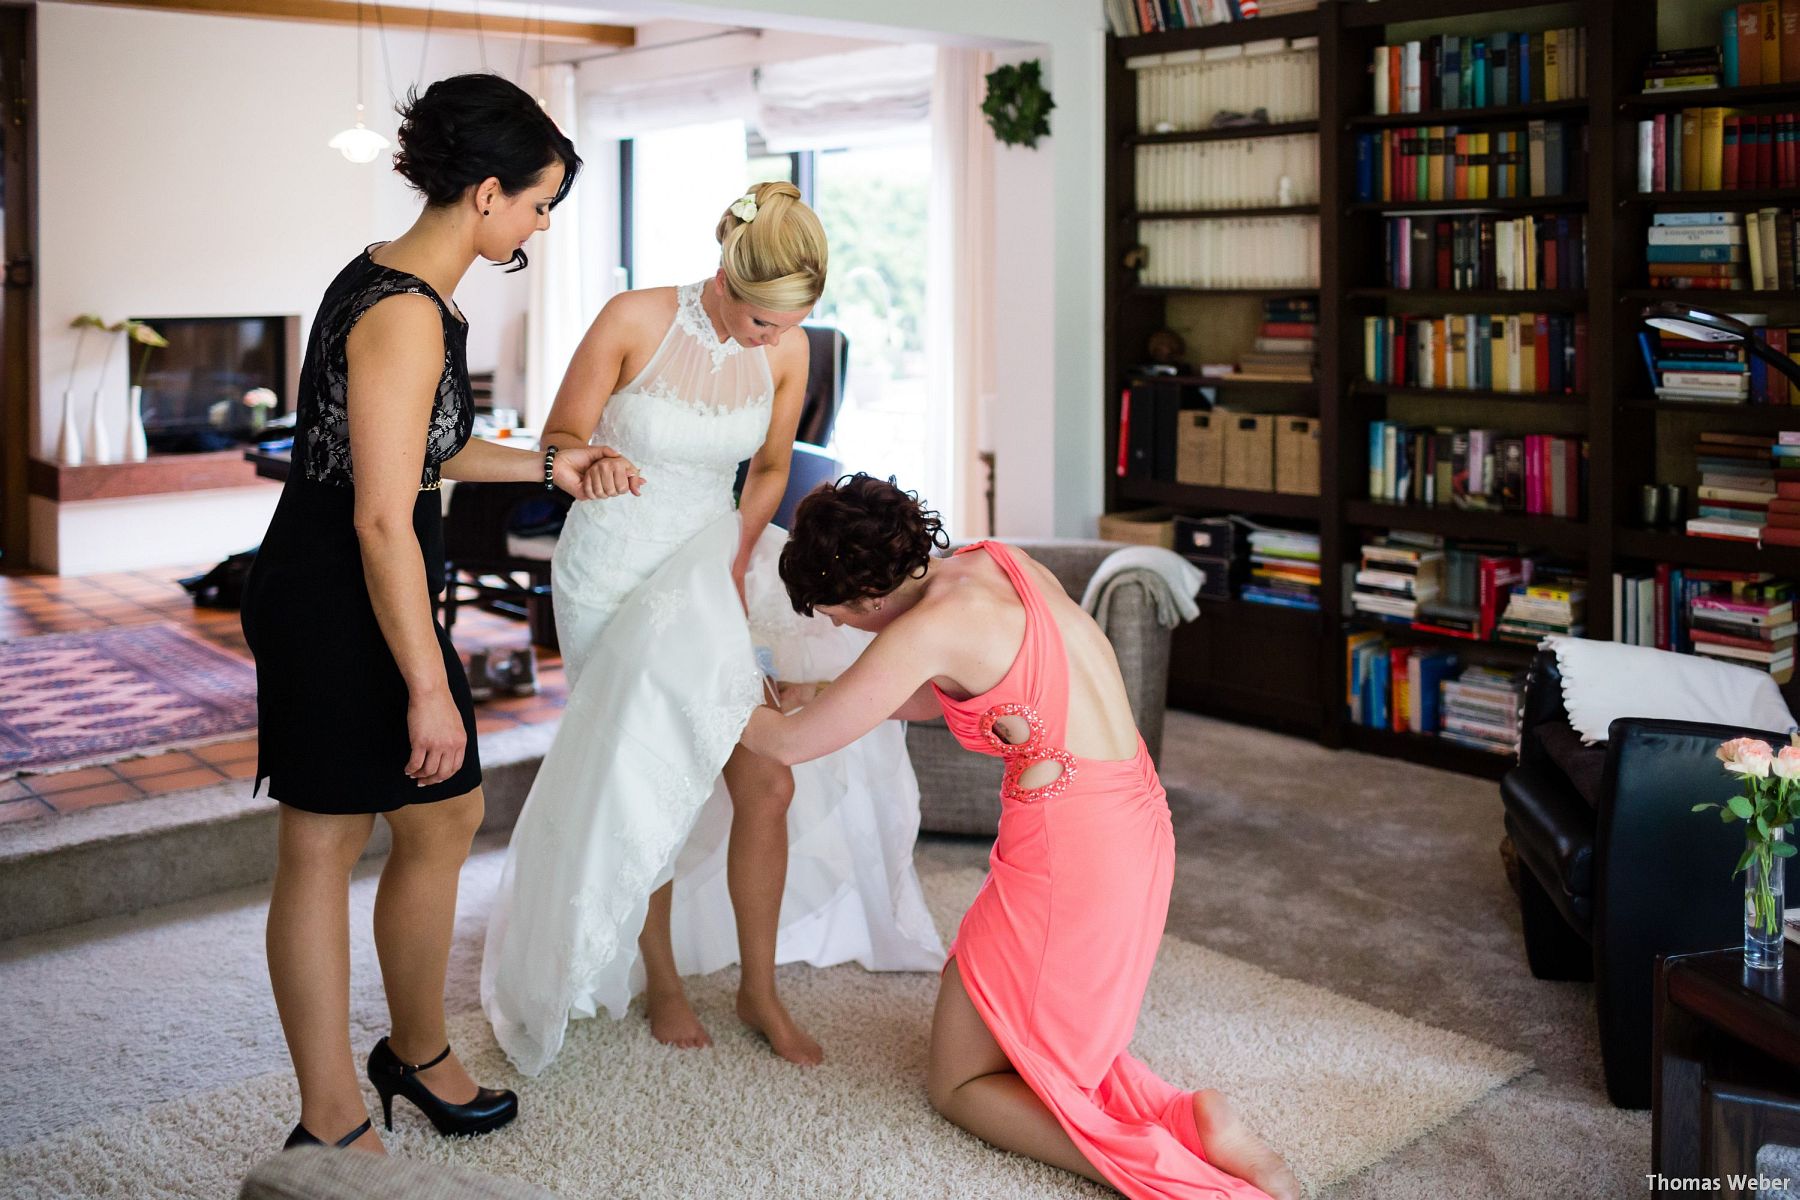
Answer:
[(1056, 950)]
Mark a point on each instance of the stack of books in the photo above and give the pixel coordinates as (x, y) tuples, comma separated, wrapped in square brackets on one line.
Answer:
[(1696, 371), (1759, 43), (1783, 521), (1737, 482), (1450, 162), (1769, 238), (1477, 469), (1683, 70), (1481, 709), (1496, 352), (1549, 604), (1284, 569), (1398, 572), (1688, 369), (1449, 252), (1717, 149), (1748, 623), (1688, 250), (1286, 344), (1460, 71)]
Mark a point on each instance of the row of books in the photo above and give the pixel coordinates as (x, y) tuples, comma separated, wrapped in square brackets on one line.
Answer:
[(1450, 71), (1417, 689), (1497, 352), (1695, 371), (1231, 252), (1741, 617), (1477, 469), (1252, 173), (1481, 592), (1718, 149), (1284, 569), (1129, 18), (1196, 89), (1759, 42), (1749, 487), (1286, 344), (1460, 252), (1450, 162)]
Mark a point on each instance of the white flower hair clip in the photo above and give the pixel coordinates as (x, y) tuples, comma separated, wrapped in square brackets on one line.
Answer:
[(744, 207)]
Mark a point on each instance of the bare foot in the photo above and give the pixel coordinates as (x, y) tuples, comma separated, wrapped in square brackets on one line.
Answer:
[(672, 1020), (766, 1016), (1234, 1149)]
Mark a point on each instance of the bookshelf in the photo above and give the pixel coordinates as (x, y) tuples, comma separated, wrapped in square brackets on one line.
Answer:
[(1286, 668)]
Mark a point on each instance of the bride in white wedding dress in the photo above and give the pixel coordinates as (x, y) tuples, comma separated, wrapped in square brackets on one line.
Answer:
[(652, 845)]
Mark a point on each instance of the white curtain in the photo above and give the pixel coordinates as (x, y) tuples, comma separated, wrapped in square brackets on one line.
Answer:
[(959, 290), (555, 317), (630, 110), (838, 100), (682, 179)]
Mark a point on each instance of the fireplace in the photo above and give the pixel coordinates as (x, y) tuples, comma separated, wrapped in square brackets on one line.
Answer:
[(194, 388)]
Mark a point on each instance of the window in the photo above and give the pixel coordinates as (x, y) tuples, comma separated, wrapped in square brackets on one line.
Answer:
[(873, 201)]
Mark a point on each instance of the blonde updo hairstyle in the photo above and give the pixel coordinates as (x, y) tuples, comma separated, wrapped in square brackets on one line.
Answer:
[(776, 261)]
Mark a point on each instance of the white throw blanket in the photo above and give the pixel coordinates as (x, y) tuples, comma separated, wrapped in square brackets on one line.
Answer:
[(1180, 580), (1603, 681)]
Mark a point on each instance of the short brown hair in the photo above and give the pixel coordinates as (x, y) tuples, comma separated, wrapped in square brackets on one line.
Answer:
[(856, 538)]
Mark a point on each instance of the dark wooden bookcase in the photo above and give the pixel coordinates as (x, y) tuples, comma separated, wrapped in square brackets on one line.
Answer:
[(1284, 668)]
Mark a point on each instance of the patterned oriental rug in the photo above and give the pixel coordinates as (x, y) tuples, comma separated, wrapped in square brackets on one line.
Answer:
[(71, 700)]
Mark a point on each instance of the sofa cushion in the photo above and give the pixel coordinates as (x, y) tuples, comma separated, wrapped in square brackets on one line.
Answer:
[(318, 1173), (1553, 828), (1584, 765)]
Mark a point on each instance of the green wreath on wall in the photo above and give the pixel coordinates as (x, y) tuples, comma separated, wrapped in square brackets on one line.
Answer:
[(1018, 105)]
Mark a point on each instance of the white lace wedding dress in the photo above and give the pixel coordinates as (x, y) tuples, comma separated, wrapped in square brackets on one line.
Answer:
[(663, 676)]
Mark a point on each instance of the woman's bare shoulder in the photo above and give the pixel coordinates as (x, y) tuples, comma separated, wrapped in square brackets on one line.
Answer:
[(641, 309)]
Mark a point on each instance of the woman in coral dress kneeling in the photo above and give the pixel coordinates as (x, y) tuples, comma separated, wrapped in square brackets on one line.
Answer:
[(1041, 992)]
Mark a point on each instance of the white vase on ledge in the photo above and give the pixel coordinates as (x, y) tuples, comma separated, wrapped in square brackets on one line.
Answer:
[(99, 445), (68, 437), (137, 449)]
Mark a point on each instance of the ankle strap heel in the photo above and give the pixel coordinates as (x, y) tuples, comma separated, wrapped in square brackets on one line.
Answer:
[(489, 1110)]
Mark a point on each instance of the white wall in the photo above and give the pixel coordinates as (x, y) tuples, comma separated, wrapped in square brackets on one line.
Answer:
[(183, 171), (1049, 286)]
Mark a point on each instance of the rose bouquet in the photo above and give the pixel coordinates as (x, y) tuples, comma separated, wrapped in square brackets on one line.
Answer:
[(1767, 806)]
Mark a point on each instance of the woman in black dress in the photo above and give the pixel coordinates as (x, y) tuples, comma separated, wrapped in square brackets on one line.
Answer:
[(364, 707)]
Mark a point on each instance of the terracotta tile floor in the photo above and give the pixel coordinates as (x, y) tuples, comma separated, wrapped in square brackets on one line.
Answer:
[(35, 604)]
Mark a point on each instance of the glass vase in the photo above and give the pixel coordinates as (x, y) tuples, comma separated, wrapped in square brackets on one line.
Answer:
[(1765, 896)]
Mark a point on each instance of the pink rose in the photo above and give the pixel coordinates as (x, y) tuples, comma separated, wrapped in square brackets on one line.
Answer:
[(1787, 763), (1753, 759), (1728, 751)]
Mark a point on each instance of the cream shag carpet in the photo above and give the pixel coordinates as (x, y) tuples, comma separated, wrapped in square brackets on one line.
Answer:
[(1332, 1083)]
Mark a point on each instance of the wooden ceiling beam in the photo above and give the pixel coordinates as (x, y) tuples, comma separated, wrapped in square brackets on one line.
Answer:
[(343, 12)]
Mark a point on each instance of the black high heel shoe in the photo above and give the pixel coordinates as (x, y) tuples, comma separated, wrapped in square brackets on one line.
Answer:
[(489, 1110), (300, 1137)]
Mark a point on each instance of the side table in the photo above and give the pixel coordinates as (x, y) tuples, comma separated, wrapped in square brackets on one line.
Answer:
[(1726, 1079)]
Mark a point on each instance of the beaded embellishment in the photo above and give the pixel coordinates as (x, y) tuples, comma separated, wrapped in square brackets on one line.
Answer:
[(1020, 757)]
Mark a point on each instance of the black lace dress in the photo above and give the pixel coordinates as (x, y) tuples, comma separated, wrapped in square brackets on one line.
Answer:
[(331, 700)]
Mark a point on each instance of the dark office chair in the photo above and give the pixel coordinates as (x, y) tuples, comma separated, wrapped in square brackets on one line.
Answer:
[(498, 538), (811, 464)]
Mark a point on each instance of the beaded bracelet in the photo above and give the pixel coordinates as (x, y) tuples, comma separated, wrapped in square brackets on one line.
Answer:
[(550, 469)]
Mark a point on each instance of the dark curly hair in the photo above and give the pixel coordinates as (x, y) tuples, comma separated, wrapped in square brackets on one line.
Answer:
[(468, 128), (856, 538)]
